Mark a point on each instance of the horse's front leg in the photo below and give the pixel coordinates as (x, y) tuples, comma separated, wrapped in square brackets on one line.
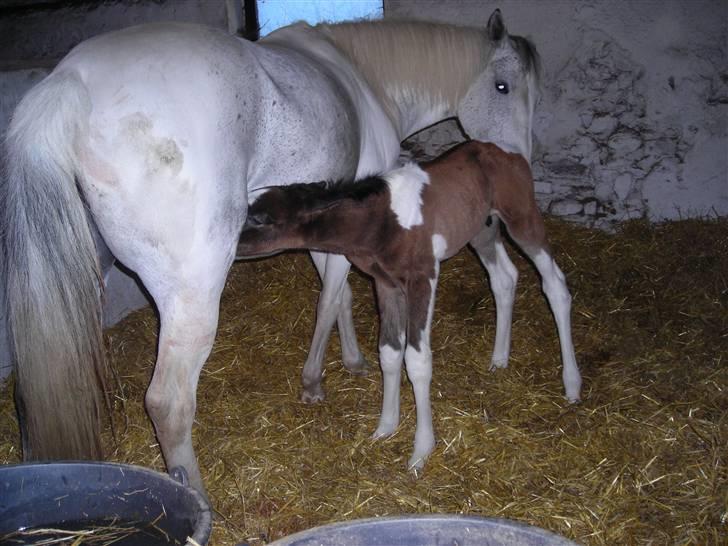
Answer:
[(503, 276), (351, 355), (393, 321), (418, 360), (334, 304)]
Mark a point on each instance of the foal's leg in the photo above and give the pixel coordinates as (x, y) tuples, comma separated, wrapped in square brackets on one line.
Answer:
[(393, 319), (418, 360), (528, 231), (503, 275), (334, 304), (559, 298)]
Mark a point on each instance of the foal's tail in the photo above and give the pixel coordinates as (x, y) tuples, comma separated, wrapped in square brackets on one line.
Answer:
[(53, 285)]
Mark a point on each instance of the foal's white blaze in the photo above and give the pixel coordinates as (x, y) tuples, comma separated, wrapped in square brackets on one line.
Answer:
[(405, 189)]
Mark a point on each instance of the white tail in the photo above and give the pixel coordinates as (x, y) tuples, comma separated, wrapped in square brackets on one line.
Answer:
[(53, 284)]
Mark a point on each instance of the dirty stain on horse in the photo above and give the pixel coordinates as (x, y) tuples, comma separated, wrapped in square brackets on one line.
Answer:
[(165, 154), (162, 155)]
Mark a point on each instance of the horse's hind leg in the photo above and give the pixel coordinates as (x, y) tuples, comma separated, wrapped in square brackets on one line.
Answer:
[(503, 275), (188, 316), (334, 304), (527, 230)]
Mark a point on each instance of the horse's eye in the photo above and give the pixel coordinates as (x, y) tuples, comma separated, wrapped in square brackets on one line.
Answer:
[(501, 87)]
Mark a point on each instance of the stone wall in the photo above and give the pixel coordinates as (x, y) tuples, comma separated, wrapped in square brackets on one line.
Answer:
[(633, 118)]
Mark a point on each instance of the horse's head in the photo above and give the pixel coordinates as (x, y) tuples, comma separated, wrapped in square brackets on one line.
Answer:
[(498, 106)]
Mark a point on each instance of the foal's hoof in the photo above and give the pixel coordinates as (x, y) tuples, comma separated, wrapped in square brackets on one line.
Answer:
[(313, 395), (360, 367)]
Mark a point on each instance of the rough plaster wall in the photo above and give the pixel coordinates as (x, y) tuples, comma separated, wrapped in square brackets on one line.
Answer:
[(633, 119)]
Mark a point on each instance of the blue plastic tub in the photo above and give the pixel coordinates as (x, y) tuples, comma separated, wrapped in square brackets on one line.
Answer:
[(78, 496), (427, 530)]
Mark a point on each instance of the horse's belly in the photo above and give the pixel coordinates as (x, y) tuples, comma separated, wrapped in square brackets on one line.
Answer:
[(307, 128)]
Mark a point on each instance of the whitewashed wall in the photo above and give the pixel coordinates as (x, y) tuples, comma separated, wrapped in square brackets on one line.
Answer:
[(633, 119)]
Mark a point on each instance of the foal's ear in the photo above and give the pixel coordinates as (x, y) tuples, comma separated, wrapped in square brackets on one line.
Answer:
[(323, 206), (496, 28)]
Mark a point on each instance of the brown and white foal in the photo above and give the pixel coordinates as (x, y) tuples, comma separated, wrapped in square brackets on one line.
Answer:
[(398, 227)]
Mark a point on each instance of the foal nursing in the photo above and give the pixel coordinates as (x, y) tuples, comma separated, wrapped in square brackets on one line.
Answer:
[(397, 228)]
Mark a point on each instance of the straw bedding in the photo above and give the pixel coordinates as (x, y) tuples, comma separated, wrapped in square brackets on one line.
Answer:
[(642, 460)]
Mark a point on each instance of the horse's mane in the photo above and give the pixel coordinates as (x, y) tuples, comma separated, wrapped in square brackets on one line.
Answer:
[(316, 195), (413, 59), (528, 54)]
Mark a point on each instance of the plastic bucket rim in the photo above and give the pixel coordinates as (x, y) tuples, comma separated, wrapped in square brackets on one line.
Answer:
[(433, 518), (203, 525)]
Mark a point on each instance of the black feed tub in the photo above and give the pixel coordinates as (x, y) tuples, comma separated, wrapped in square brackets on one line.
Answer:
[(76, 496)]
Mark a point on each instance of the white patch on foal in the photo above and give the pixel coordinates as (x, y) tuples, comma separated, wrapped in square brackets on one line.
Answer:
[(405, 189), (439, 246)]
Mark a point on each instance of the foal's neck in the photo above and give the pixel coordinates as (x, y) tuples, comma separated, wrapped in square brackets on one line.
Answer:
[(348, 228)]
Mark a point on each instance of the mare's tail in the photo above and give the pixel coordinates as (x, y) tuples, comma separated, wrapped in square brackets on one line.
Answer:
[(53, 285)]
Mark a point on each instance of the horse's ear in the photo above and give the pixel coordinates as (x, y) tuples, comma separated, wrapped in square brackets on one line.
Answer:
[(496, 28)]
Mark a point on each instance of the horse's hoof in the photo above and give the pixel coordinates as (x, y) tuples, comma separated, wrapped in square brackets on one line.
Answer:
[(423, 449), (360, 367), (416, 463), (384, 430), (497, 364), (313, 395)]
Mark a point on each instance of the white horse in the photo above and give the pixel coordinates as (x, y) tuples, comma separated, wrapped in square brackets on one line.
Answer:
[(142, 146)]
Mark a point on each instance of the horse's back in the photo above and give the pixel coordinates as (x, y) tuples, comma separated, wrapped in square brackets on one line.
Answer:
[(333, 116)]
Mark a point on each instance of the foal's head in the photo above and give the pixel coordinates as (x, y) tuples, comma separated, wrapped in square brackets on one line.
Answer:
[(499, 105), (302, 215)]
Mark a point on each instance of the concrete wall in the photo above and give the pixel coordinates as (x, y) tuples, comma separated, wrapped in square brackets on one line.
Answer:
[(633, 120)]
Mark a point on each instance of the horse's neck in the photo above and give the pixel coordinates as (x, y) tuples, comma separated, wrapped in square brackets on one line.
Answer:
[(419, 71)]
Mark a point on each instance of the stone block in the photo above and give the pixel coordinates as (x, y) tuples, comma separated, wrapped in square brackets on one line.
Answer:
[(566, 207)]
